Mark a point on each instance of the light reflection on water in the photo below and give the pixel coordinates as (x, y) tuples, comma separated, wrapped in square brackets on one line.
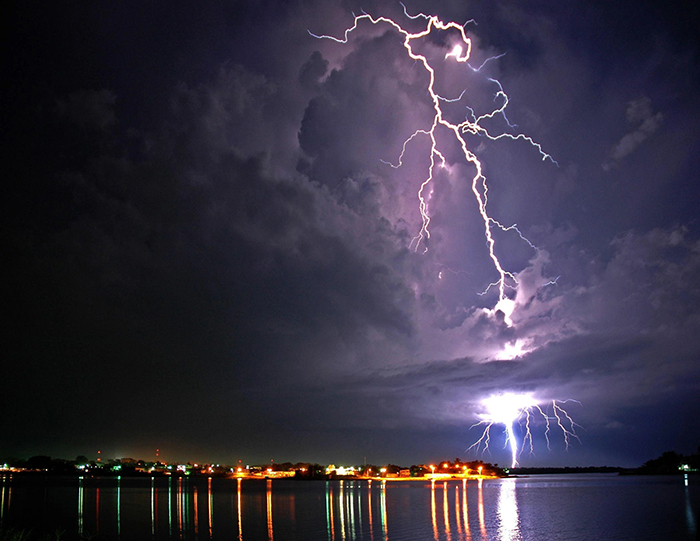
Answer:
[(465, 510), (270, 530), (482, 524), (689, 514), (508, 527), (240, 521), (540, 507)]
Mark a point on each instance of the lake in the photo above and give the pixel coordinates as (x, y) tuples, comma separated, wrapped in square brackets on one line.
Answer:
[(539, 507)]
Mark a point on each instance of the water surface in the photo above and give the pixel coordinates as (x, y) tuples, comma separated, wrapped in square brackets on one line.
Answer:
[(557, 507)]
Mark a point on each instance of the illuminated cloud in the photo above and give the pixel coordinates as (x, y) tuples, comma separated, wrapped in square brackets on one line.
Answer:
[(639, 113)]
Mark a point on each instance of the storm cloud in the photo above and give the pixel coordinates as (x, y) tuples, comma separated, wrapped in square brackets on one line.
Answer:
[(208, 250)]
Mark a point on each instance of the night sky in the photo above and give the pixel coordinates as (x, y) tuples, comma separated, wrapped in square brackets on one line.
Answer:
[(205, 252)]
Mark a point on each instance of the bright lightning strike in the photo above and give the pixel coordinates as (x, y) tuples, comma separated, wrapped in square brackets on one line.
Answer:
[(512, 410), (509, 409), (472, 125)]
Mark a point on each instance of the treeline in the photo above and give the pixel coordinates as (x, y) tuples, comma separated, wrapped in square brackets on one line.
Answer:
[(567, 469), (669, 462), (41, 463), (81, 464)]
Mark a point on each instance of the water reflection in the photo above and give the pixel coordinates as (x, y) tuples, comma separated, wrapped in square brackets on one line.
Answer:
[(238, 508), (465, 509), (196, 514), (689, 514), (433, 512), (2, 499), (352, 498), (369, 510), (190, 508), (509, 527), (351, 510), (330, 520), (385, 530), (270, 533), (211, 509), (119, 506), (153, 508), (457, 512), (97, 510), (341, 501), (450, 512), (170, 507), (80, 506), (482, 523), (445, 510)]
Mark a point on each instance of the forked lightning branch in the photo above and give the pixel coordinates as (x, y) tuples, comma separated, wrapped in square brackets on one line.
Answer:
[(460, 53)]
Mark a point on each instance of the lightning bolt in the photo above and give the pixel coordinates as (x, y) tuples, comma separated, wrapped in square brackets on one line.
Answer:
[(551, 282), (511, 410), (472, 125)]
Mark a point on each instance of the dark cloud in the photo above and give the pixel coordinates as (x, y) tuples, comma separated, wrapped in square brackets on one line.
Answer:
[(313, 70), (645, 121), (92, 110), (352, 123)]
